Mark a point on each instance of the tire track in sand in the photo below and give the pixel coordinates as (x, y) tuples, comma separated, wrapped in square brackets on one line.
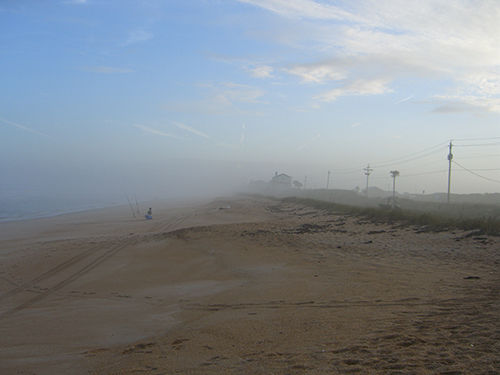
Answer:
[(82, 271), (171, 224), (54, 271)]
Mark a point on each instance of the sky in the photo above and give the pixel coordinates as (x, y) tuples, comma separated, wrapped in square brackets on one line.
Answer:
[(179, 98)]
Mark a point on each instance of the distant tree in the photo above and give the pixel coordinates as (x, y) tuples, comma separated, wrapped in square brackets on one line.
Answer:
[(297, 184)]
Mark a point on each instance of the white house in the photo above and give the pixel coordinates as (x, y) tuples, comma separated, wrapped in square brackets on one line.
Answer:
[(281, 181)]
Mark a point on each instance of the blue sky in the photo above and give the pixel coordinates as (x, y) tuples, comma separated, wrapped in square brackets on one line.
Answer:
[(189, 95)]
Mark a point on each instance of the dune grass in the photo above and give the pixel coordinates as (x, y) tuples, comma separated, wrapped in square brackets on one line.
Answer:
[(434, 221)]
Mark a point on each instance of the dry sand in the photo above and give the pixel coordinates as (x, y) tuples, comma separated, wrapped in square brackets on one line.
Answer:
[(261, 287)]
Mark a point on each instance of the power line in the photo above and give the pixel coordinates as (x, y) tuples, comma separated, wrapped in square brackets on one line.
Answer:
[(479, 144), (439, 148), (476, 139), (480, 156), (397, 161), (402, 160), (359, 169), (424, 173), (411, 175), (409, 160), (475, 174), (391, 162), (485, 169), (424, 165), (347, 171), (416, 153)]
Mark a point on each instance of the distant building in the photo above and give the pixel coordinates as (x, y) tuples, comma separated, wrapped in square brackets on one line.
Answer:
[(258, 185), (281, 181)]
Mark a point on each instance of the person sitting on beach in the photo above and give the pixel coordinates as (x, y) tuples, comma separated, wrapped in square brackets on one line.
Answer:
[(149, 214)]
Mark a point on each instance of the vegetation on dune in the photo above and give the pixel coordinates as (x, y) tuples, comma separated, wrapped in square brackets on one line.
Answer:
[(433, 220)]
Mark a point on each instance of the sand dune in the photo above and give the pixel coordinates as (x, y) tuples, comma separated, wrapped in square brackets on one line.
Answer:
[(245, 285)]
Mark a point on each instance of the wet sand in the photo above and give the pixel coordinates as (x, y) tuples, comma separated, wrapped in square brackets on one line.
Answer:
[(245, 285)]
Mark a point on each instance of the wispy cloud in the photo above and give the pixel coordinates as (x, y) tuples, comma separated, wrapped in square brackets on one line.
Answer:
[(75, 1), (261, 72), (360, 87), (318, 72), (404, 100), (182, 126), (25, 128), (448, 104), (305, 144), (138, 36), (147, 129), (222, 99), (302, 9), (255, 67), (241, 93), (105, 69), (390, 40)]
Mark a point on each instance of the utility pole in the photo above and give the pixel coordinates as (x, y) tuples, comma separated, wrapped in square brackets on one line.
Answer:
[(328, 181), (450, 158), (394, 174), (368, 170)]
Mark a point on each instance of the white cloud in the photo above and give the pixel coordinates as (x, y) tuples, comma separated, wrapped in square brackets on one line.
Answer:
[(318, 72), (404, 100), (460, 103), (302, 9), (241, 93), (255, 68), (391, 40), (222, 99), (480, 82), (359, 87), (311, 140), (262, 72), (147, 129), (25, 128), (182, 126), (138, 36)]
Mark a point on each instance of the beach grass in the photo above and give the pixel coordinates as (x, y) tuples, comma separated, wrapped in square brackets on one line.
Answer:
[(432, 220)]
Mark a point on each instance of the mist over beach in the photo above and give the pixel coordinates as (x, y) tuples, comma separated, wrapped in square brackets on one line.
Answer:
[(178, 103), (249, 187)]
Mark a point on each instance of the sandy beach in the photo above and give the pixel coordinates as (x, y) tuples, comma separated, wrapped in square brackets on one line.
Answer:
[(245, 285)]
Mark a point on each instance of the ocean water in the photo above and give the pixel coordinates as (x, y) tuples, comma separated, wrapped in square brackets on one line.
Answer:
[(22, 206)]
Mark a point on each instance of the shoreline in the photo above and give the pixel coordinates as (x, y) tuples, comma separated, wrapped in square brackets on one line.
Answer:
[(244, 285), (35, 216)]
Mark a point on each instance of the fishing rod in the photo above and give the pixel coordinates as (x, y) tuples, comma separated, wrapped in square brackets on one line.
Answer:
[(130, 204), (137, 205)]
